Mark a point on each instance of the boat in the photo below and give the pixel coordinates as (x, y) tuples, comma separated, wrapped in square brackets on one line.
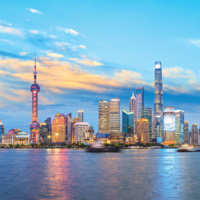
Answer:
[(186, 148), (98, 147)]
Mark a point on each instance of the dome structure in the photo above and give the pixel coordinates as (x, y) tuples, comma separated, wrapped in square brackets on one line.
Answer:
[(57, 115), (35, 87), (11, 132), (34, 125)]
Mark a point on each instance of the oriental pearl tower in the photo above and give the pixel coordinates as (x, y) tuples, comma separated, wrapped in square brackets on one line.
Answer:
[(35, 127)]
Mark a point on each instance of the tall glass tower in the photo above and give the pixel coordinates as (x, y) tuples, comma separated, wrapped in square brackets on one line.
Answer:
[(114, 115), (158, 101), (81, 115), (133, 108), (127, 121), (147, 114), (140, 101), (179, 134), (103, 117)]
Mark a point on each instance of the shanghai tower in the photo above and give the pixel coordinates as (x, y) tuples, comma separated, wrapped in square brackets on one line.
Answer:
[(158, 99), (158, 103)]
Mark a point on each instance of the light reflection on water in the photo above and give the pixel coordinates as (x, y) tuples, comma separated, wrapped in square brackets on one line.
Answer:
[(75, 174)]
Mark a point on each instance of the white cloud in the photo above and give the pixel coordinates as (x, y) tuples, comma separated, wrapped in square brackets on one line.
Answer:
[(60, 44), (70, 31), (23, 53), (35, 31), (34, 11), (8, 41), (9, 30), (177, 72), (195, 42), (27, 19), (82, 46), (55, 55)]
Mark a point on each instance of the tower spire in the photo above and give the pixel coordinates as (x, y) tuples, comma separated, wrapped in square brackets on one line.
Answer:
[(35, 72)]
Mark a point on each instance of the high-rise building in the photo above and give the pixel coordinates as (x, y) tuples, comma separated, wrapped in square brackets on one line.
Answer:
[(140, 101), (127, 121), (114, 115), (186, 134), (179, 134), (69, 124), (44, 132), (80, 128), (169, 125), (147, 114), (157, 128), (48, 123), (89, 135), (74, 121), (59, 128), (142, 130), (194, 134), (35, 127), (158, 102), (103, 117), (1, 129), (198, 133), (133, 108), (81, 115)]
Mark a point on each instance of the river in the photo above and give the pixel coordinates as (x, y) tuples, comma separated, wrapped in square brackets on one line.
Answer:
[(74, 174)]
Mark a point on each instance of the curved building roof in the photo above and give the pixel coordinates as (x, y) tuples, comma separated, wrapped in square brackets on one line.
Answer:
[(35, 87)]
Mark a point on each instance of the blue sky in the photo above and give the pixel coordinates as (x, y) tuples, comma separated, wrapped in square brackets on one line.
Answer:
[(93, 50)]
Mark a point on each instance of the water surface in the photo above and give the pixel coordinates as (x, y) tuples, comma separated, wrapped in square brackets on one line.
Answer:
[(74, 174)]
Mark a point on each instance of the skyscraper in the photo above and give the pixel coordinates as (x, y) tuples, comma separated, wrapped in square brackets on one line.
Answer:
[(81, 115), (169, 125), (1, 130), (158, 102), (127, 121), (140, 101), (133, 108), (80, 129), (194, 134), (48, 122), (69, 124), (103, 117), (142, 130), (35, 127), (186, 133), (44, 133), (114, 115), (147, 114), (179, 134)]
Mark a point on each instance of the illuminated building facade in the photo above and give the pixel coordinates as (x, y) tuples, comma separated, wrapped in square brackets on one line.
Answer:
[(89, 135), (194, 134), (186, 133), (44, 132), (59, 128), (179, 134), (133, 108), (103, 117), (114, 115), (147, 114), (1, 130), (48, 123), (74, 121), (80, 129), (81, 115), (127, 121), (198, 133), (158, 102), (142, 129), (34, 126), (169, 125), (12, 138), (140, 101)]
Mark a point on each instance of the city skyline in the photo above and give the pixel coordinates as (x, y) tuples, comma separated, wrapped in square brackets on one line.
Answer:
[(75, 71)]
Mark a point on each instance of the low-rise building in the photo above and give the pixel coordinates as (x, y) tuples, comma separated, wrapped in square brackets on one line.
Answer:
[(89, 135), (116, 137), (79, 131)]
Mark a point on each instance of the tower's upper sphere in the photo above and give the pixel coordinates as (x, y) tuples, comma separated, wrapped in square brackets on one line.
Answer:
[(35, 87)]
